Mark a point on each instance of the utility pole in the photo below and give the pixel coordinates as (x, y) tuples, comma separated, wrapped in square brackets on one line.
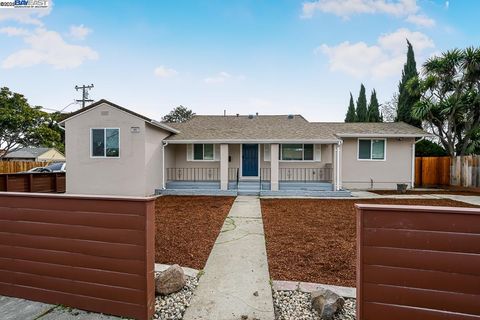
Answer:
[(85, 90)]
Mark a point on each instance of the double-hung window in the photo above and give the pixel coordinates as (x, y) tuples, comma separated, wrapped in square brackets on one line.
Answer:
[(105, 142), (203, 152), (297, 152), (371, 149)]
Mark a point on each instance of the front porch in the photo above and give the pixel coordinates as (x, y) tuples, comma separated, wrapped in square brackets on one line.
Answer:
[(253, 169)]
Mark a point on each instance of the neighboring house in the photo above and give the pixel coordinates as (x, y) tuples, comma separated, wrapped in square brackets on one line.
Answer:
[(35, 154), (112, 150)]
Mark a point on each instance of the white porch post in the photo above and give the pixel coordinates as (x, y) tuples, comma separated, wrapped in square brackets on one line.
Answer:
[(274, 166), (339, 166), (335, 164), (223, 166)]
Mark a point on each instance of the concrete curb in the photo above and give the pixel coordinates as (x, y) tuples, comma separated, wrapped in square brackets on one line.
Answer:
[(346, 292), (159, 267)]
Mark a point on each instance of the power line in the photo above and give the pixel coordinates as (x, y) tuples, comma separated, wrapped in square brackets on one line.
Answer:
[(85, 90)]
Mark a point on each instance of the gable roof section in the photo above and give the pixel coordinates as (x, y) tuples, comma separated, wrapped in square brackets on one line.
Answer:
[(102, 101), (27, 153), (262, 128)]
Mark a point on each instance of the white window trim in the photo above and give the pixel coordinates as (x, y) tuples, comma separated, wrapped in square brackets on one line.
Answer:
[(203, 153), (371, 148), (105, 143), (280, 151)]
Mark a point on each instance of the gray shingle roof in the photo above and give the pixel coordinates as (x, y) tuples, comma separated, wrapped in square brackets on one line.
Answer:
[(27, 153), (342, 129), (258, 128), (281, 128)]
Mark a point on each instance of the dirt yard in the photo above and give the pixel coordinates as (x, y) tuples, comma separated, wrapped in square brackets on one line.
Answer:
[(186, 228), (314, 240)]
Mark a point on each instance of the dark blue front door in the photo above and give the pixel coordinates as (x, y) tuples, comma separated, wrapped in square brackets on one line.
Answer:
[(250, 160)]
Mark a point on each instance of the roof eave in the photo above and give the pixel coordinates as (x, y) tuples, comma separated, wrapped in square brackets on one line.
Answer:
[(216, 141), (382, 135)]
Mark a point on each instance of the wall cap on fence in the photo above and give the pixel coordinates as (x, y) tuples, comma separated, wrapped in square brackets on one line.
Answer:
[(437, 209), (75, 196)]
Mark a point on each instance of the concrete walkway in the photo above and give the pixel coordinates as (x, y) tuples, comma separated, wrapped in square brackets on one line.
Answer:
[(236, 283), (20, 309)]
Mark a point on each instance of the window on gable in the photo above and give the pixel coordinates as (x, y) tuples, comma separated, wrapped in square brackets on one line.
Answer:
[(105, 143), (203, 152), (371, 149)]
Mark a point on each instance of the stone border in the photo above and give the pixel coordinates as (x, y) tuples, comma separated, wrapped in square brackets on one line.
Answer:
[(308, 287), (159, 267)]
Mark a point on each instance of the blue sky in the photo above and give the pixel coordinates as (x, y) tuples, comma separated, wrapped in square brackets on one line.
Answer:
[(271, 57)]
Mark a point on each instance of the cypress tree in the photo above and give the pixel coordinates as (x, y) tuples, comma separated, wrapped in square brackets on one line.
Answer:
[(351, 116), (373, 108), (361, 111), (407, 99)]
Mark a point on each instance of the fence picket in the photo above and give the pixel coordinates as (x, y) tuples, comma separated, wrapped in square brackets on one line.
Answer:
[(19, 166), (443, 171)]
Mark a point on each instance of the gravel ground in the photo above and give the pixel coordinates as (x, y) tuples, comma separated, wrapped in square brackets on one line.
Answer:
[(295, 305), (173, 306)]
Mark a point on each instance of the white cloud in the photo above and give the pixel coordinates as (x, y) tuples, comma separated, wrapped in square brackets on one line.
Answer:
[(79, 32), (383, 59), (164, 72), (346, 8), (218, 78), (421, 20), (13, 31), (48, 47), (25, 15)]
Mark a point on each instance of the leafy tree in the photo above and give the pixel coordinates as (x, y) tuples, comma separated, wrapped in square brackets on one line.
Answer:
[(178, 115), (362, 113), (389, 109), (427, 148), (22, 125), (373, 109), (351, 116), (450, 99), (406, 98)]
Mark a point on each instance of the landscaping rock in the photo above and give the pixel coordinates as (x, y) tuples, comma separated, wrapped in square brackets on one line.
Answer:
[(327, 303), (173, 306), (171, 280)]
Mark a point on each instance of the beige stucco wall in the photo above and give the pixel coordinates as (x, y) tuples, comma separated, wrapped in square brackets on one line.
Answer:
[(126, 175), (397, 168), (153, 158), (51, 155)]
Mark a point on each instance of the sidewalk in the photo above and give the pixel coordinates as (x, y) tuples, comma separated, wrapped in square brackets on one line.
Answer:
[(20, 309), (236, 283)]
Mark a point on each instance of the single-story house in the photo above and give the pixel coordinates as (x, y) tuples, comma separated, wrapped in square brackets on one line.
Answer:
[(35, 154), (114, 151)]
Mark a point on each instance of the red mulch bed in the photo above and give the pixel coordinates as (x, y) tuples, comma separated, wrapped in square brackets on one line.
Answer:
[(314, 240), (461, 191), (187, 227)]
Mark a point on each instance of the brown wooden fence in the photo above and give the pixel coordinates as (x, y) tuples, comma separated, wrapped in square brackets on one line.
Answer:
[(92, 253), (418, 263), (432, 171), (465, 171), (33, 182), (19, 166)]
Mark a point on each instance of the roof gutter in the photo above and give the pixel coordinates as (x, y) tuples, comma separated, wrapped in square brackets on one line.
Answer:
[(382, 135), (315, 141)]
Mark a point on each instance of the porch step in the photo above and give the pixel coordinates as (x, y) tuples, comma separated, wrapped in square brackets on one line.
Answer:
[(249, 188), (193, 185), (305, 193)]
